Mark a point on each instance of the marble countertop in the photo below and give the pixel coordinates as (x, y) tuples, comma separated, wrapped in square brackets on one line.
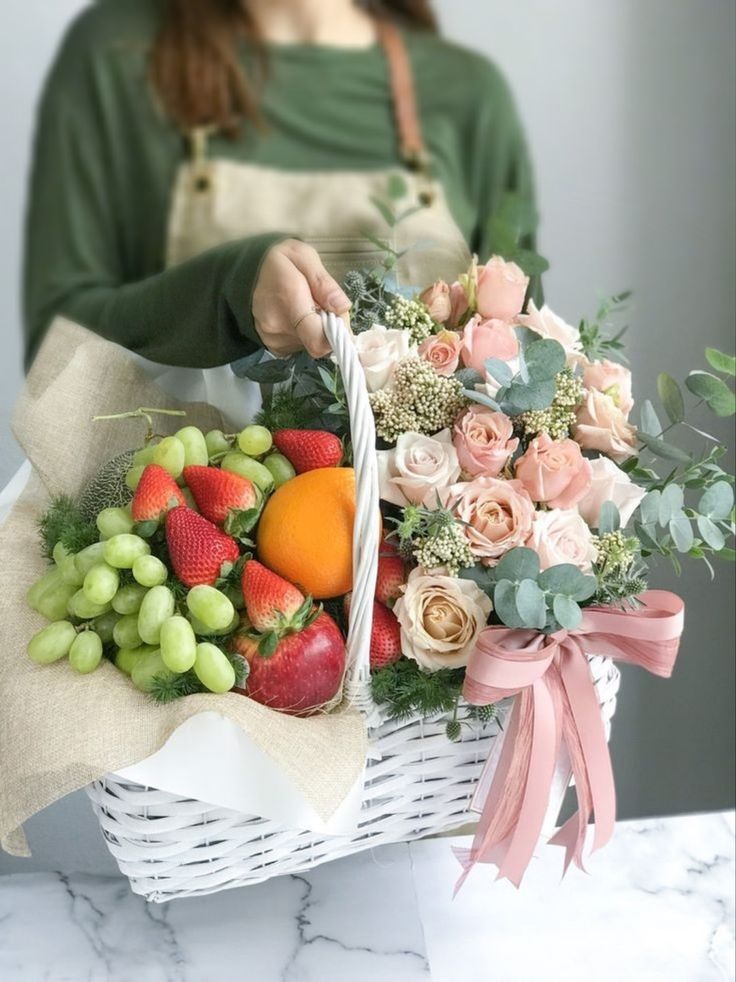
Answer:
[(659, 905)]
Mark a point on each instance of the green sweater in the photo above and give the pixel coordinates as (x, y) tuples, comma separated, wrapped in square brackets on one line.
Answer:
[(105, 159)]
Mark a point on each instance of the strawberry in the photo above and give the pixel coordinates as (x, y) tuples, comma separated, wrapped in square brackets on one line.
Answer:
[(199, 551), (272, 603), (308, 450), (385, 635), (391, 577), (226, 499), (157, 493)]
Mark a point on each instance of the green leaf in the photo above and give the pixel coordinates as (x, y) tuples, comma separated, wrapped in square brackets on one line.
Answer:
[(713, 391), (671, 396), (397, 187), (720, 361), (567, 612), (567, 579), (536, 395), (682, 532), (710, 533), (717, 501), (499, 370), (504, 603), (468, 377), (385, 211), (517, 565), (671, 502), (650, 423), (609, 519), (544, 359), (531, 262), (649, 508), (531, 605), (664, 450), (728, 555), (482, 398)]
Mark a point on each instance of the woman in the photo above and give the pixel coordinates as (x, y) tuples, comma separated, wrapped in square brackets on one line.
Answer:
[(205, 169)]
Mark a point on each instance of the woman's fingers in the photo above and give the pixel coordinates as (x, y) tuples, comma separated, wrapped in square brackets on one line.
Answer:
[(312, 336), (326, 291)]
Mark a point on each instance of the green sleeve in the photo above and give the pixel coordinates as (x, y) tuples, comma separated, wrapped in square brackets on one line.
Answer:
[(197, 314)]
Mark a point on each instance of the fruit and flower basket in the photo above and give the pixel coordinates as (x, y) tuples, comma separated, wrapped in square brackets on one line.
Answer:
[(448, 524)]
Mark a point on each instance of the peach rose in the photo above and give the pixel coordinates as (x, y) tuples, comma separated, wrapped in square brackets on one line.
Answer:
[(484, 441), (484, 339), (441, 618), (379, 351), (417, 468), (547, 324), (500, 291), (458, 304), (436, 299), (612, 379), (561, 536), (609, 483), (442, 351), (554, 471), (602, 426), (497, 515)]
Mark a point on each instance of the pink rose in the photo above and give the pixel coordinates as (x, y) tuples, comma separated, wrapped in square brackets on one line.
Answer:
[(417, 468), (484, 339), (484, 441), (612, 379), (554, 471), (497, 515), (501, 288), (609, 483), (458, 304), (436, 299), (547, 324), (561, 536), (602, 426), (442, 351)]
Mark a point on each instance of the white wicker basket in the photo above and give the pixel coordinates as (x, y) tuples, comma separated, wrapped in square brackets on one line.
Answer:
[(416, 781)]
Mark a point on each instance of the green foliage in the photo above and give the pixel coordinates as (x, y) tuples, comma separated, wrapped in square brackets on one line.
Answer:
[(405, 689), (533, 387), (511, 229), (282, 410), (369, 296), (725, 364), (167, 688), (65, 522), (595, 337), (713, 391)]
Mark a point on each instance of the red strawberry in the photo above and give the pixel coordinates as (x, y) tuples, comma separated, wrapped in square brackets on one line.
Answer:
[(308, 450), (198, 549), (385, 635), (224, 498), (391, 577), (157, 493), (272, 603), (304, 672)]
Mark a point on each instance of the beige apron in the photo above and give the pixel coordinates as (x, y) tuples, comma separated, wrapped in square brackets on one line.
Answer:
[(216, 201)]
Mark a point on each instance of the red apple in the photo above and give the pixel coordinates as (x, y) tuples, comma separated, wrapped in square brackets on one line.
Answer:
[(304, 672)]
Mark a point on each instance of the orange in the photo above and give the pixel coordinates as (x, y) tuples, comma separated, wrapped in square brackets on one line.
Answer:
[(305, 533)]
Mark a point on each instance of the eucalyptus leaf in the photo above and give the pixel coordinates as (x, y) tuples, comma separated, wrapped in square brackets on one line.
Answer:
[(671, 502), (482, 398), (568, 580), (713, 391), (671, 396), (504, 603), (721, 362), (269, 371), (649, 421), (531, 262), (664, 450), (717, 501), (681, 531), (647, 537), (468, 377), (649, 508), (531, 604), (518, 564), (545, 359), (499, 370), (385, 211), (482, 576), (710, 533), (536, 395), (567, 613), (609, 519)]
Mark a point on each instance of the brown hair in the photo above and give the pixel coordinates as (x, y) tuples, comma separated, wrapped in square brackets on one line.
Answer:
[(196, 69)]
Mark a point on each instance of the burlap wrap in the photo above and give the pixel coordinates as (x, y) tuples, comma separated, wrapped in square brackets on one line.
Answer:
[(59, 730)]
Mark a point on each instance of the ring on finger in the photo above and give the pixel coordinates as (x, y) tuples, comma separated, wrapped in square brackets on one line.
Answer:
[(314, 309)]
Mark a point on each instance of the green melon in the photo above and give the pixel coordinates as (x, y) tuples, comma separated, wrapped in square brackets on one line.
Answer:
[(108, 488)]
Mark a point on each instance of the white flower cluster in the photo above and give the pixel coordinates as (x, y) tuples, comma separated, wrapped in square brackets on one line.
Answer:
[(420, 401), (559, 418), (448, 547), (411, 316)]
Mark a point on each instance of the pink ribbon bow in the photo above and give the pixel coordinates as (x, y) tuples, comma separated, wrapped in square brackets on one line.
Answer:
[(556, 705)]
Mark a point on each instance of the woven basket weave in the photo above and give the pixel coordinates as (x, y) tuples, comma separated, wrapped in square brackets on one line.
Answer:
[(416, 781)]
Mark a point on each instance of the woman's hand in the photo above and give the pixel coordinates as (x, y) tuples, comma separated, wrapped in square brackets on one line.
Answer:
[(292, 281)]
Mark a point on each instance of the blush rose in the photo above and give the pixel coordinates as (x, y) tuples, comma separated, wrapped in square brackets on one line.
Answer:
[(484, 339), (497, 515), (554, 471), (442, 351), (500, 289), (484, 441), (602, 426)]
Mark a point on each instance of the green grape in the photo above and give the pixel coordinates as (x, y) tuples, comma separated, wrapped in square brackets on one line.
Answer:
[(113, 521), (213, 668), (53, 603), (144, 456), (52, 642), (129, 598), (59, 553), (158, 605), (178, 644), (133, 476), (149, 571), (125, 633), (82, 607), (70, 571), (195, 447), (238, 463), (282, 470), (127, 658), (85, 653), (210, 606), (217, 443), (122, 550), (170, 454), (255, 440), (101, 584), (201, 629), (36, 590), (89, 557), (104, 625), (147, 668)]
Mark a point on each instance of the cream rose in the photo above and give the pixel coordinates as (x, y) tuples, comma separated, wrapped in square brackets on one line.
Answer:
[(441, 618), (379, 351), (560, 536), (612, 379), (417, 468), (442, 351), (484, 441), (609, 483), (547, 324), (602, 426), (497, 515), (500, 289)]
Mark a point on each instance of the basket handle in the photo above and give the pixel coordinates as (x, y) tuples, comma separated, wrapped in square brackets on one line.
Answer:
[(366, 529)]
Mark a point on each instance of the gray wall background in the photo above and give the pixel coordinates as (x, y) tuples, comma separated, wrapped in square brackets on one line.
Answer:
[(630, 107)]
